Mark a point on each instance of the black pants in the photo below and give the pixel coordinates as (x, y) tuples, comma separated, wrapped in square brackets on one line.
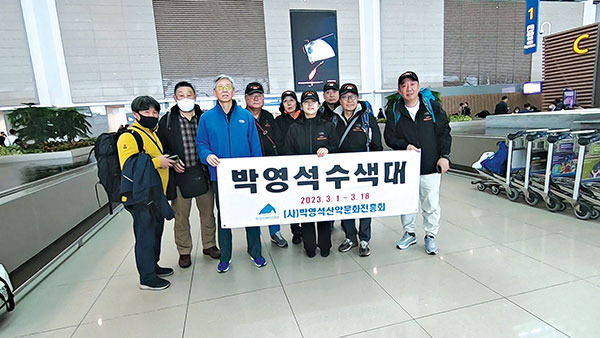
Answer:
[(364, 233), (148, 230), (310, 237), (295, 227)]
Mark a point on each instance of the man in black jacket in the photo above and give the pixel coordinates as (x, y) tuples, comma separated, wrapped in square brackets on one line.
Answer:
[(502, 106), (414, 126), (265, 124), (331, 94), (358, 131), (177, 132)]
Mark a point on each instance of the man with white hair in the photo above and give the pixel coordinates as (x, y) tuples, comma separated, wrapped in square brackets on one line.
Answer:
[(228, 131)]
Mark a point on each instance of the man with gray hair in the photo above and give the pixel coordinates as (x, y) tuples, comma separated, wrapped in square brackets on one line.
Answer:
[(228, 131)]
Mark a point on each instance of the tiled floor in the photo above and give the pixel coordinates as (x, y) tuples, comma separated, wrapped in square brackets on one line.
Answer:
[(504, 270)]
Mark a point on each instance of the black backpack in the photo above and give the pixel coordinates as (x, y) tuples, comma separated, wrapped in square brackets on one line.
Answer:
[(109, 169)]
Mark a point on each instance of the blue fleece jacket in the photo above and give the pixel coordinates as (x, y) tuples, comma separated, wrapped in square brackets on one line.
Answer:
[(227, 138)]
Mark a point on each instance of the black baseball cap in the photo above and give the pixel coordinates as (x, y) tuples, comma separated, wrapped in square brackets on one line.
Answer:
[(407, 75), (254, 87), (310, 95), (348, 88), (330, 85), (289, 93)]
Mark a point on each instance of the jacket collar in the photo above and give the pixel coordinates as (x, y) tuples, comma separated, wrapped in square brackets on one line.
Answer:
[(360, 107), (175, 111), (234, 107)]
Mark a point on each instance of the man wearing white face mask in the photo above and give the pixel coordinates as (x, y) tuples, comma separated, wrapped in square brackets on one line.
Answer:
[(177, 132)]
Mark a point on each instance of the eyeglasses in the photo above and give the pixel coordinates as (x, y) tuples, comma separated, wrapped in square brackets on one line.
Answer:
[(224, 87), (349, 97)]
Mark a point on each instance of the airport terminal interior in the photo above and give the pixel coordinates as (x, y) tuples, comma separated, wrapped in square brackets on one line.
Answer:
[(501, 98)]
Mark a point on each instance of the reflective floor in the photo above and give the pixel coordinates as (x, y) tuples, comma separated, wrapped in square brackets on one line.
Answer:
[(504, 270)]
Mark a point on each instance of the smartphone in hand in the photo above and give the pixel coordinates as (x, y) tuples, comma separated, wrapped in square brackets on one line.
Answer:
[(174, 157)]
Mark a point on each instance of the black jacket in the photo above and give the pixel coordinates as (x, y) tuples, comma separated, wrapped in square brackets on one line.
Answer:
[(282, 124), (306, 136), (356, 139), (141, 187), (326, 112), (169, 133), (501, 108), (267, 132), (433, 139)]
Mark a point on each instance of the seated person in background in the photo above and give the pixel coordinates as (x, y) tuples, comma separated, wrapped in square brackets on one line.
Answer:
[(466, 111), (516, 110)]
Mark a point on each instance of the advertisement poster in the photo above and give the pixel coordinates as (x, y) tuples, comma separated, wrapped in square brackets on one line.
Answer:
[(314, 48), (305, 188)]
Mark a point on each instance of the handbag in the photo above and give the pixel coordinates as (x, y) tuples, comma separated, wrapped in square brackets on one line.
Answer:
[(192, 182), (6, 290)]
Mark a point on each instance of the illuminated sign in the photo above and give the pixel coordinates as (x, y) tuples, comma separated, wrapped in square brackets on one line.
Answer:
[(532, 87), (531, 26), (576, 44)]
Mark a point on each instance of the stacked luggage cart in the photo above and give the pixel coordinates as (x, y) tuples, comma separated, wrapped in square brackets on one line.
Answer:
[(560, 168)]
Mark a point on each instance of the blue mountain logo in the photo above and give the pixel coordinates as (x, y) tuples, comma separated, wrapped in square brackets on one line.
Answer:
[(268, 209)]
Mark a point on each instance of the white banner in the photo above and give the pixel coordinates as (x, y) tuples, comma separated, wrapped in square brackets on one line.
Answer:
[(306, 188)]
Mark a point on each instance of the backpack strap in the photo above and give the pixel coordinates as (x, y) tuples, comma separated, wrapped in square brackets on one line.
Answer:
[(348, 127), (138, 140), (366, 125)]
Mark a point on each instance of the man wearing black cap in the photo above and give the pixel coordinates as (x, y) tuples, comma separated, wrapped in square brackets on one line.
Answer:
[(358, 131), (421, 125), (331, 95), (265, 123), (312, 134)]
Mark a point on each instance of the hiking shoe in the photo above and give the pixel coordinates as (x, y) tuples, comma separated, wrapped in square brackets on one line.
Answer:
[(155, 284), (406, 241), (347, 245), (430, 247), (163, 272), (223, 266), (364, 250), (185, 261), (259, 261), (325, 253), (296, 239), (279, 240)]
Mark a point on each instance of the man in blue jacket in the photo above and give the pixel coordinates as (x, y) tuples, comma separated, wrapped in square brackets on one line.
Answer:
[(228, 131)]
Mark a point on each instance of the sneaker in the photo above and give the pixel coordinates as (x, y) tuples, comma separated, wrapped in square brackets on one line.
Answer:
[(347, 245), (325, 253), (223, 266), (259, 261), (296, 239), (311, 254), (163, 272), (430, 247), (279, 240), (155, 284), (406, 241), (364, 250)]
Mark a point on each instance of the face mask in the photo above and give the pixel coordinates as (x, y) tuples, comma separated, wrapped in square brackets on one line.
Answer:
[(148, 122), (186, 105)]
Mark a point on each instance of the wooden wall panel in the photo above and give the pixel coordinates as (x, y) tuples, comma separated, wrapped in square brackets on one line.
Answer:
[(563, 68)]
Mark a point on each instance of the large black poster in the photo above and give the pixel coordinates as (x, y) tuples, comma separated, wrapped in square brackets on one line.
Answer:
[(314, 48)]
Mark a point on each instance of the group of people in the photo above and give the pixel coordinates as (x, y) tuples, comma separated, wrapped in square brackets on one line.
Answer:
[(186, 146), (8, 140)]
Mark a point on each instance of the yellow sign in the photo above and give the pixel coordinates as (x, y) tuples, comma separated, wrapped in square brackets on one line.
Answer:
[(576, 44)]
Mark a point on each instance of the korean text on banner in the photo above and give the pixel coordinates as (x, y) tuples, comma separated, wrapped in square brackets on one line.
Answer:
[(305, 188)]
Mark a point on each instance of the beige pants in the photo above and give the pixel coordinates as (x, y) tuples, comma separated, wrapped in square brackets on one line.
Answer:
[(182, 206)]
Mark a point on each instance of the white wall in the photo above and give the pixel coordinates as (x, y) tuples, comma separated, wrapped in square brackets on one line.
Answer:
[(16, 73), (561, 16), (279, 43), (412, 38), (110, 49)]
